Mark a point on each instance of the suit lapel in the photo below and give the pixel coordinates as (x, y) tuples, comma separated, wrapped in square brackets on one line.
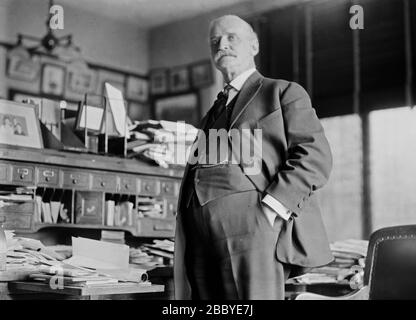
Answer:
[(247, 93)]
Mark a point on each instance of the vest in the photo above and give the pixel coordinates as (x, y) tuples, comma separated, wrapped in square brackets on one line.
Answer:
[(214, 180)]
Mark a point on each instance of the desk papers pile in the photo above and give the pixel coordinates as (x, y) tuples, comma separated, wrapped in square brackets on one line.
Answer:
[(159, 253), (93, 263), (164, 142), (349, 260)]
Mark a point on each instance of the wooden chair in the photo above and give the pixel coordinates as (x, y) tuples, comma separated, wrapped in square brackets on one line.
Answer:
[(390, 269)]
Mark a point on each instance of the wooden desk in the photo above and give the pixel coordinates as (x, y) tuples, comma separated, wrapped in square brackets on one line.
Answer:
[(30, 289)]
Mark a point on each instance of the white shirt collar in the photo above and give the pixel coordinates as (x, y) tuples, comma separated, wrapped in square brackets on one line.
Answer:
[(239, 81)]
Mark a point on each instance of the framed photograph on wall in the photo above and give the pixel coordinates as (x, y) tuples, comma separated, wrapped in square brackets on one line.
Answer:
[(201, 74), (19, 125), (53, 79), (22, 68), (179, 79), (81, 81), (181, 107), (138, 111), (137, 89), (158, 81)]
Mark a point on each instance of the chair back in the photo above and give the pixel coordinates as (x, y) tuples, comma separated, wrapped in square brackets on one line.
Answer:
[(390, 269)]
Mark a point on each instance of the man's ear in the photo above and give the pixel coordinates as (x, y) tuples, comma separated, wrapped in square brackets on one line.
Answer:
[(255, 46)]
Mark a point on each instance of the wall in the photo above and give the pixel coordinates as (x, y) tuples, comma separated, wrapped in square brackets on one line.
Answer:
[(103, 41)]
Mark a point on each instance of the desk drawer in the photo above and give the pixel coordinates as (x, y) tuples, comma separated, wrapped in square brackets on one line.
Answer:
[(148, 227), (171, 207), (168, 188), (150, 187), (76, 179), (48, 176), (23, 174), (4, 172), (16, 220), (104, 182), (128, 185)]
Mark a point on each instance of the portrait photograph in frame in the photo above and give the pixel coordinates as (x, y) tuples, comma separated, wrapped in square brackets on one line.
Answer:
[(26, 97), (53, 79), (180, 107), (137, 89), (179, 79), (19, 125), (202, 74), (158, 81)]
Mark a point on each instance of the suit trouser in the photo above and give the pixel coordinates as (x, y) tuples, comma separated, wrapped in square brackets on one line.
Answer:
[(231, 249)]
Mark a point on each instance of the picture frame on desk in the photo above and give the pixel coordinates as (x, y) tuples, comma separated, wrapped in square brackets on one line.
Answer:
[(53, 79), (90, 116), (26, 97), (19, 125), (179, 107)]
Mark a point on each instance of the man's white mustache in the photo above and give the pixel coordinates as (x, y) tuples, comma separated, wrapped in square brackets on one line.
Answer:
[(221, 54)]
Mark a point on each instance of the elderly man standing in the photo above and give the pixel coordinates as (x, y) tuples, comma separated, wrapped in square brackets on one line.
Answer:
[(241, 233)]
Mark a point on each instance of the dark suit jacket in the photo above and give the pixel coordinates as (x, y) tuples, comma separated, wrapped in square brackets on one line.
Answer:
[(296, 161)]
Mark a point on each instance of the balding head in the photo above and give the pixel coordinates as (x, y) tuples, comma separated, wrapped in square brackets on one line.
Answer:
[(237, 21), (233, 44)]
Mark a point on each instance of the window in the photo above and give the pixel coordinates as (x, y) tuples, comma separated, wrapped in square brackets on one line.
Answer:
[(393, 167), (341, 198)]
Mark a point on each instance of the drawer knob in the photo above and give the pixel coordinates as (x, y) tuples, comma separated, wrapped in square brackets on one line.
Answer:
[(103, 183), (166, 188), (47, 179), (126, 186), (22, 176), (74, 181), (147, 187)]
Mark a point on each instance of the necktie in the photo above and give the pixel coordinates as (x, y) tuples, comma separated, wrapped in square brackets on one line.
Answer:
[(219, 106)]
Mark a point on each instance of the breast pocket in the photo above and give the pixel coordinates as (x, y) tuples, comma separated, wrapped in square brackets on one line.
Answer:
[(270, 119)]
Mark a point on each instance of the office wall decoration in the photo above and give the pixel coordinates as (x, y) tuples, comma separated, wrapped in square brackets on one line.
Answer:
[(158, 81), (138, 111), (137, 89), (181, 107), (23, 68), (202, 74), (81, 80), (19, 125), (53, 79), (179, 79)]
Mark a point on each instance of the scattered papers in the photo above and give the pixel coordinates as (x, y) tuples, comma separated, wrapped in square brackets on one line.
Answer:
[(95, 254)]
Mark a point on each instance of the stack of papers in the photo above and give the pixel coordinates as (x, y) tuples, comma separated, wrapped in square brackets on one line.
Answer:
[(164, 142), (161, 248), (349, 259)]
